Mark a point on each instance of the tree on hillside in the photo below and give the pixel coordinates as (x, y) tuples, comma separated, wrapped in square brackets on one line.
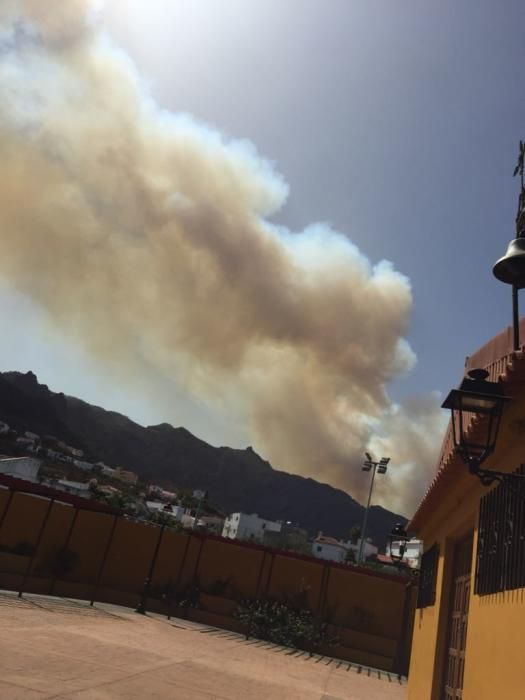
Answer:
[(355, 533)]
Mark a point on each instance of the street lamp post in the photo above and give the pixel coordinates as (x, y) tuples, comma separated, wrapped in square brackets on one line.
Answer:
[(380, 467)]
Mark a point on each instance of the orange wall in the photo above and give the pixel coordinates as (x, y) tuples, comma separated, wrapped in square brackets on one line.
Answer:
[(366, 610), (493, 664)]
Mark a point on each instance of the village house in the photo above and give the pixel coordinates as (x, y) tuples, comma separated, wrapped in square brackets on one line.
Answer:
[(410, 554), (329, 548), (76, 488), (26, 468), (125, 476), (159, 492), (241, 526), (174, 511), (107, 471), (212, 523), (470, 615), (86, 466), (324, 547)]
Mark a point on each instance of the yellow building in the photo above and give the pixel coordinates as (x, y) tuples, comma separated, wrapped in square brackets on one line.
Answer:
[(469, 628)]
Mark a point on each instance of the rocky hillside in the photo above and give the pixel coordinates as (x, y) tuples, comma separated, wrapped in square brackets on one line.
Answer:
[(237, 480)]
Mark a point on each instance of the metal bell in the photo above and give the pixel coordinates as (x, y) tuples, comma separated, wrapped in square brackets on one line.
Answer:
[(510, 269)]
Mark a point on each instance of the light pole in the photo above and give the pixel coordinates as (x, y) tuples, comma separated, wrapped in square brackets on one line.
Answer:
[(380, 467)]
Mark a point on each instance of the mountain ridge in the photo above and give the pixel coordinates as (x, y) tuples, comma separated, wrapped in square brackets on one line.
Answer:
[(237, 479)]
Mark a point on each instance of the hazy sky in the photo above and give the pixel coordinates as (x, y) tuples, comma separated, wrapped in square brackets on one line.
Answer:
[(395, 121)]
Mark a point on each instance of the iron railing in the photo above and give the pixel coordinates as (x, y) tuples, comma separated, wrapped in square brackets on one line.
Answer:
[(426, 595), (500, 556)]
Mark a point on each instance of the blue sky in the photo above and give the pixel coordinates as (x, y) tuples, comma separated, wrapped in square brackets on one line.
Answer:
[(397, 122)]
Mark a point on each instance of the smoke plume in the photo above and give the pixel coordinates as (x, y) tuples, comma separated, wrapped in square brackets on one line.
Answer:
[(145, 237)]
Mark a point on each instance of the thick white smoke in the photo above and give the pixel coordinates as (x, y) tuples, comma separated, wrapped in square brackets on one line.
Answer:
[(144, 236)]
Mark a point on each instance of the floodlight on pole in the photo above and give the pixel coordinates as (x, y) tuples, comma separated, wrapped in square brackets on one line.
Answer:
[(380, 467)]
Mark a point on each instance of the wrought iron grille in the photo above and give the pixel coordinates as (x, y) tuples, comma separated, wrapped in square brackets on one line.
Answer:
[(500, 556), (426, 594)]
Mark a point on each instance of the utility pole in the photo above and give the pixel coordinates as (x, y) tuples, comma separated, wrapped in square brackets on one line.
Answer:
[(204, 495), (380, 467)]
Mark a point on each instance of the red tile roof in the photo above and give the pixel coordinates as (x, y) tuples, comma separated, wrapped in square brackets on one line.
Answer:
[(503, 364)]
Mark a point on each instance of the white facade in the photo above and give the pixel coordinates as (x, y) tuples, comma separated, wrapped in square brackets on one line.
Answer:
[(158, 507), (412, 553), (77, 488), (86, 466), (199, 494), (21, 467), (329, 548), (240, 526), (108, 471), (335, 550), (4, 428)]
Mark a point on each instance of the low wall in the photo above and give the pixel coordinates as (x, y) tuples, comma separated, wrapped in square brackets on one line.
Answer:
[(55, 548)]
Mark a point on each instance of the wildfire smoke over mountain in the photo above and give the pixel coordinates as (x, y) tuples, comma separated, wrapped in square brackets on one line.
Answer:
[(145, 237)]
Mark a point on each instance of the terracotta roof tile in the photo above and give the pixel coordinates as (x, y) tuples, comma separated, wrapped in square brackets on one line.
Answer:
[(503, 364)]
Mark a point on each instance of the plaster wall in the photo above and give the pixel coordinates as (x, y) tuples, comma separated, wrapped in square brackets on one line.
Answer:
[(494, 646)]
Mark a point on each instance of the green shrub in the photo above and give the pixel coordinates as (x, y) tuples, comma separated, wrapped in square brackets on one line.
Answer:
[(64, 561), (282, 623)]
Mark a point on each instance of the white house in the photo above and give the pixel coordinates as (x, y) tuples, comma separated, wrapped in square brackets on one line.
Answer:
[(86, 466), (412, 553), (158, 507), (199, 494), (21, 467), (329, 548), (240, 526), (77, 488), (107, 471), (4, 428)]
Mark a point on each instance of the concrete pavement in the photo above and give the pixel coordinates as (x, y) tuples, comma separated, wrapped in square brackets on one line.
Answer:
[(54, 648)]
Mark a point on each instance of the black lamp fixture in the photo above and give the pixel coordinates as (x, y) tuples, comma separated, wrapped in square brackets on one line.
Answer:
[(476, 409), (510, 269), (397, 540)]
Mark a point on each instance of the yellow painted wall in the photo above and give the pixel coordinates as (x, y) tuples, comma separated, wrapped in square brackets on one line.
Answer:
[(494, 665)]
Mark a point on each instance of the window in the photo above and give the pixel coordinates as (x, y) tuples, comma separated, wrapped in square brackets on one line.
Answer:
[(500, 555), (426, 595), (319, 548)]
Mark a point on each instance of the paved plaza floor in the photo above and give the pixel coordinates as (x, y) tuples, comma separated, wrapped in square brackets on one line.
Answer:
[(56, 648)]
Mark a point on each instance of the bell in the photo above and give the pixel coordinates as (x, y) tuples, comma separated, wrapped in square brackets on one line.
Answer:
[(511, 267)]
